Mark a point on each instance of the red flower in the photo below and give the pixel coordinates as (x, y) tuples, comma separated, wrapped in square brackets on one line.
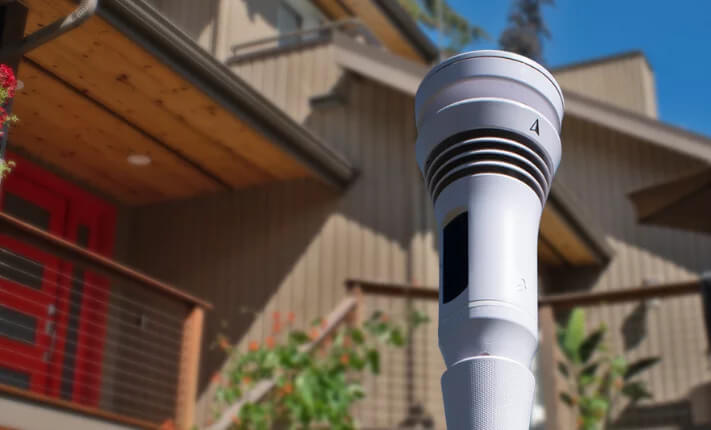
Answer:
[(7, 79), (253, 346), (270, 342)]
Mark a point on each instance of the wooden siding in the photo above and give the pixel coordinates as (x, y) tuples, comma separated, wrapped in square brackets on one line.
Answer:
[(196, 18), (289, 246), (626, 82)]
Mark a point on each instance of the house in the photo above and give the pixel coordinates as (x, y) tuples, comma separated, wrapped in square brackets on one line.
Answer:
[(241, 158)]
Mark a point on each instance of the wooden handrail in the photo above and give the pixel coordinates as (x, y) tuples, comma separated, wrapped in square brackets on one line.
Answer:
[(622, 295), (262, 388), (75, 253), (566, 300), (76, 407)]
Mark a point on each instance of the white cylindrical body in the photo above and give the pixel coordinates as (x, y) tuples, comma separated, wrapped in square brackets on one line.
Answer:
[(488, 146)]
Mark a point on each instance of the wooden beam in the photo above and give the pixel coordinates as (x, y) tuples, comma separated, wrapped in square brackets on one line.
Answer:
[(76, 407), (561, 301), (189, 369), (546, 361), (76, 254)]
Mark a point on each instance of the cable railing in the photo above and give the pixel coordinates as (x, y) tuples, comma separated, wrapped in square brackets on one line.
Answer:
[(671, 321), (79, 331)]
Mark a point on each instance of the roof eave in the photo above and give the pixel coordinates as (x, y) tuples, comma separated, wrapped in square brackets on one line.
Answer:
[(147, 27)]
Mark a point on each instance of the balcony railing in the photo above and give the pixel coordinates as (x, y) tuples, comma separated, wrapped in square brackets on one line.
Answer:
[(671, 320), (352, 27), (81, 332)]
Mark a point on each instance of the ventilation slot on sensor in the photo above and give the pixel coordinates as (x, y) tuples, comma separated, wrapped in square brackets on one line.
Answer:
[(455, 257), (472, 152)]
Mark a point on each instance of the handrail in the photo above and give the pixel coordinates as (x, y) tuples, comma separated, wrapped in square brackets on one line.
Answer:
[(333, 25), (261, 389), (566, 300), (70, 251)]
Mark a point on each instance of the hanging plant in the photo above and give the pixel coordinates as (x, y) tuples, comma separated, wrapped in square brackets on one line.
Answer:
[(8, 85)]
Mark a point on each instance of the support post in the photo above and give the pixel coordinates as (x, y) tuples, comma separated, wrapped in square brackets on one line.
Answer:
[(189, 368), (356, 315), (549, 380)]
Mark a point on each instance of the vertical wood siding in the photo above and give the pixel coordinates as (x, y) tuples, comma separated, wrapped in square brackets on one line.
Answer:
[(218, 24), (196, 18)]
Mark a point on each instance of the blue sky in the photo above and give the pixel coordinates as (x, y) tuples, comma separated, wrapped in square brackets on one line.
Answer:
[(675, 36)]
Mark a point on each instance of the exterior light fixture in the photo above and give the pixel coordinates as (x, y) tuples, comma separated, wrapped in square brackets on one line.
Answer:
[(139, 159)]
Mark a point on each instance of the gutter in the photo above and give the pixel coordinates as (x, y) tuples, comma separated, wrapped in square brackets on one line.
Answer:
[(152, 31)]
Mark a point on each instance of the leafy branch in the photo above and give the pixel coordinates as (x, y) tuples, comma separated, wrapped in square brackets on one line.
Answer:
[(311, 388), (596, 379)]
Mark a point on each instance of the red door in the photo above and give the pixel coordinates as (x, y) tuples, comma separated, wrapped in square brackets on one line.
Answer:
[(28, 288), (53, 315)]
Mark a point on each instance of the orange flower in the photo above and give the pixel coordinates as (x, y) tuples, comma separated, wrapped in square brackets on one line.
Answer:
[(236, 421), (344, 359), (384, 318), (270, 342), (253, 346), (246, 380), (287, 388), (167, 425), (290, 317), (216, 378), (313, 334), (224, 344), (276, 327)]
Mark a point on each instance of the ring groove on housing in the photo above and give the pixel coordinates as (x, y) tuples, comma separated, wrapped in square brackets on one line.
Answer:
[(490, 132), (454, 160)]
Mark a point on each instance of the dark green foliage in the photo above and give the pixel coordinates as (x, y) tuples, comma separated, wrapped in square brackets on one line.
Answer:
[(526, 30), (596, 378)]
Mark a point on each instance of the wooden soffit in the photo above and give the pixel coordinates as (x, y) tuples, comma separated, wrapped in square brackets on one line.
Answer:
[(93, 96), (566, 236)]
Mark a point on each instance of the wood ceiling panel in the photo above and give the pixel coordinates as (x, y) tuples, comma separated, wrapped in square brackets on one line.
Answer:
[(547, 255), (113, 70), (64, 128), (566, 242), (332, 9)]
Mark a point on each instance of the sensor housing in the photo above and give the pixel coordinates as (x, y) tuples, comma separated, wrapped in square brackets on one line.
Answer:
[(488, 146)]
